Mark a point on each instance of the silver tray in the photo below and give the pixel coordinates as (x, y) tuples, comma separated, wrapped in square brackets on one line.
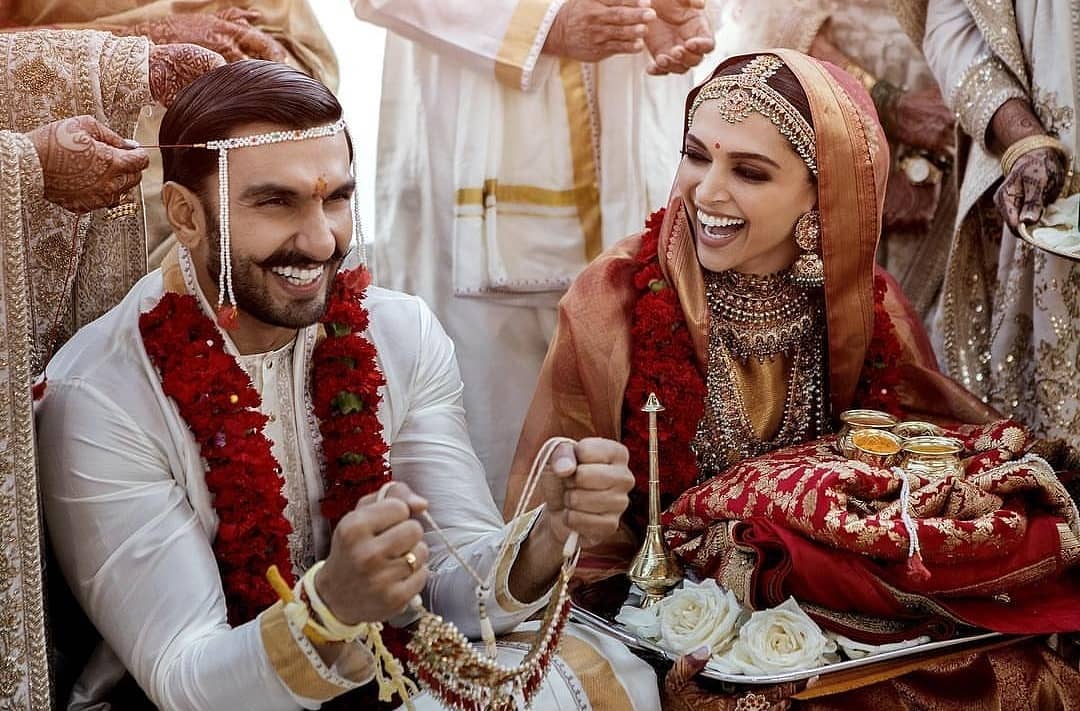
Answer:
[(1023, 229), (611, 629)]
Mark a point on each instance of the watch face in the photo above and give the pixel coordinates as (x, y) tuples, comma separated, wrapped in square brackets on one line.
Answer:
[(917, 169)]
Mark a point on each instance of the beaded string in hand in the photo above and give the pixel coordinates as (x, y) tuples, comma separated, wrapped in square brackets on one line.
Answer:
[(447, 664)]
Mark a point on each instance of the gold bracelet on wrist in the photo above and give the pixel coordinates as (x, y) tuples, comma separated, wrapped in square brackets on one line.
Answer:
[(1026, 145)]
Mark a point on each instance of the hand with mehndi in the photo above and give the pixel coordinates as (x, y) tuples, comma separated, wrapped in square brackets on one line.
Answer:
[(592, 30), (174, 66), (1033, 183), (86, 165), (680, 37), (229, 33)]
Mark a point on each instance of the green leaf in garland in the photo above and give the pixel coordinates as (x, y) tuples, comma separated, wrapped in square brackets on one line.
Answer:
[(347, 403), (350, 458), (340, 329)]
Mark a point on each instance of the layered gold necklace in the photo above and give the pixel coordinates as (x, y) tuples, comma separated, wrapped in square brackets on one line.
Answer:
[(764, 318)]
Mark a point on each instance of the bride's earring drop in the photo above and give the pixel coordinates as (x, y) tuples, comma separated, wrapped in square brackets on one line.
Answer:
[(809, 270)]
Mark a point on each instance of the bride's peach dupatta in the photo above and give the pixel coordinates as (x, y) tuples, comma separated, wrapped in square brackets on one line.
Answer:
[(582, 384)]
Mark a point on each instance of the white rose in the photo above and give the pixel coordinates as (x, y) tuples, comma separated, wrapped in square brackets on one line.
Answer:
[(699, 615), (777, 640), (642, 622)]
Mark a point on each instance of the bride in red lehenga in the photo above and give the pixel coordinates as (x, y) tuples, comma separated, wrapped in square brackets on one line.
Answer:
[(752, 307)]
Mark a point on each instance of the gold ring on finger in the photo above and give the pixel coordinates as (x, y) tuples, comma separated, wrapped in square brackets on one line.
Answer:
[(411, 561)]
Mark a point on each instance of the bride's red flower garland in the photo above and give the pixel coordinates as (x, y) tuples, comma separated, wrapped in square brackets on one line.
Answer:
[(662, 360), (221, 407)]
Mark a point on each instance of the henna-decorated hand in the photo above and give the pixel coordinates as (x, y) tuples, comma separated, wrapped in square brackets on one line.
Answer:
[(921, 119), (591, 30), (1034, 181), (682, 691), (229, 34), (174, 66), (678, 46), (86, 166)]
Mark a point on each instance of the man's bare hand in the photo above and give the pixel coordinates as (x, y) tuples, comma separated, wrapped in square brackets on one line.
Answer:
[(677, 47), (174, 66), (585, 487), (366, 577), (592, 30), (228, 33), (86, 165), (922, 120)]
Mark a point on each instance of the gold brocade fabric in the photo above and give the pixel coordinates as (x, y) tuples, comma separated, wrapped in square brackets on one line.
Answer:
[(59, 271)]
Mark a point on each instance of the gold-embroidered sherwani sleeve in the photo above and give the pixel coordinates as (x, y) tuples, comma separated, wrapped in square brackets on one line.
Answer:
[(25, 667)]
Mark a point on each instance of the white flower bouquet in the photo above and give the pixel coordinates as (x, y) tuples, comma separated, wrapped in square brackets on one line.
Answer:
[(773, 641)]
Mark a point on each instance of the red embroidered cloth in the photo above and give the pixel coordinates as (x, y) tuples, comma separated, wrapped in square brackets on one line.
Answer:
[(1000, 543)]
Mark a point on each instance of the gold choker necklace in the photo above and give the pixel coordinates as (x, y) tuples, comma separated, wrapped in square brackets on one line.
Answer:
[(759, 316)]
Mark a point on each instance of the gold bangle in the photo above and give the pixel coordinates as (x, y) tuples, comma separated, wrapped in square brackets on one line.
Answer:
[(1026, 145)]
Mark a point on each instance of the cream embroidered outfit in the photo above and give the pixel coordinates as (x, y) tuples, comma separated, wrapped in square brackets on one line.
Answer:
[(59, 270), (132, 520), (501, 172), (1006, 324)]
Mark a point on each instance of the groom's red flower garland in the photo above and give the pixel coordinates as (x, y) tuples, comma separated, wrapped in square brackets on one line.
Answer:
[(221, 407), (662, 360)]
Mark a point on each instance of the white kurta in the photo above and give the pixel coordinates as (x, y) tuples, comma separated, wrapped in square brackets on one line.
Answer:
[(501, 172), (131, 518)]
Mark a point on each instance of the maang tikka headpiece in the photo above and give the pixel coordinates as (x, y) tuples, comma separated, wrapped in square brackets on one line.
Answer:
[(749, 90), (226, 303)]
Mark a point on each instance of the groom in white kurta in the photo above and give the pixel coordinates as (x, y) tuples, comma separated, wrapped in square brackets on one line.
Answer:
[(127, 504)]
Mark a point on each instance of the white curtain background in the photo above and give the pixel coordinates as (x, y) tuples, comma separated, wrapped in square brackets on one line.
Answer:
[(359, 48)]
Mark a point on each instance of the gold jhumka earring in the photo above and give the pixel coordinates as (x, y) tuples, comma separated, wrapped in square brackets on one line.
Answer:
[(809, 270)]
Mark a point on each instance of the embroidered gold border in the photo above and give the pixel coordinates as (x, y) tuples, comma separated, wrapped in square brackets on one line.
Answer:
[(23, 662), (289, 661), (592, 670), (523, 194), (586, 184), (519, 40)]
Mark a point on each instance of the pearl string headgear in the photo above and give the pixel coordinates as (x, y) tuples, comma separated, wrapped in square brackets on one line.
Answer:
[(226, 315)]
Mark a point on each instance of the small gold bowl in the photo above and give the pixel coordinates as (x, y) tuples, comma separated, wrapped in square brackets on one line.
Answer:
[(861, 419), (913, 428), (878, 448), (933, 457)]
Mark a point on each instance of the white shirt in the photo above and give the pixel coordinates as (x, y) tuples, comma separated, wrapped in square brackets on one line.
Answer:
[(132, 521)]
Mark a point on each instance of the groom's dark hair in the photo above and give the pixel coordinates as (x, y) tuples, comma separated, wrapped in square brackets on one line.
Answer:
[(228, 97)]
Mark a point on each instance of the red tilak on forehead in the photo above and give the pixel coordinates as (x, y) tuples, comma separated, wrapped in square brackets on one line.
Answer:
[(320, 188)]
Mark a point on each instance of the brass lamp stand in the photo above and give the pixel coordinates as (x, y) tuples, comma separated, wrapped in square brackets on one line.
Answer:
[(655, 569)]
